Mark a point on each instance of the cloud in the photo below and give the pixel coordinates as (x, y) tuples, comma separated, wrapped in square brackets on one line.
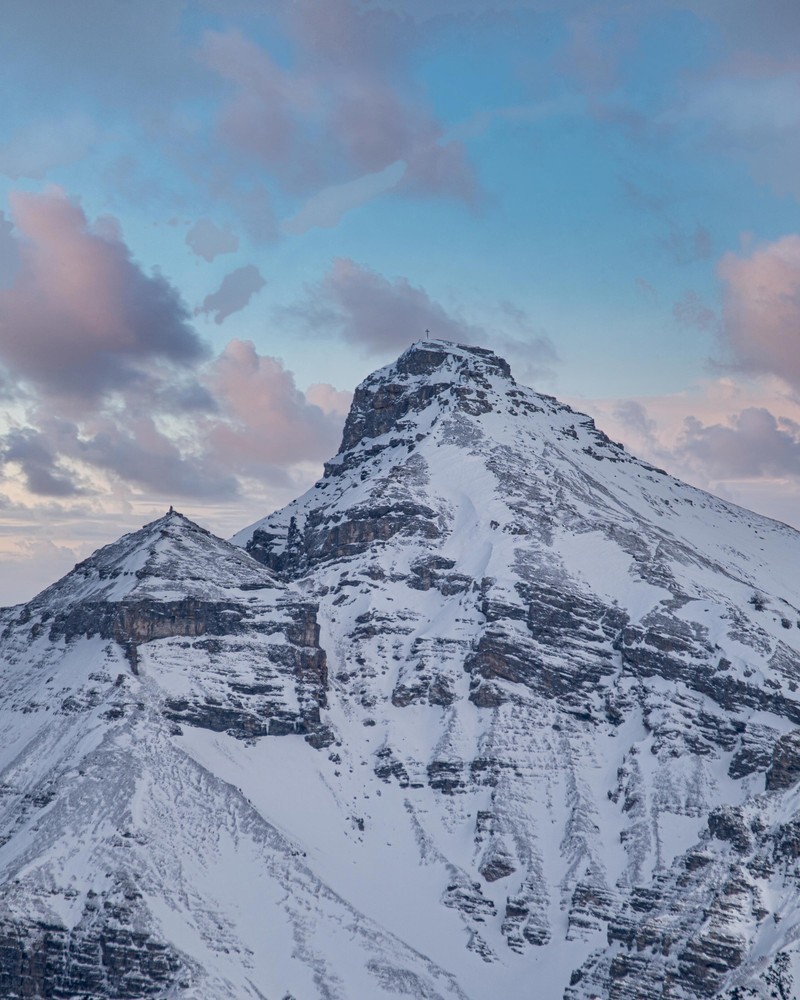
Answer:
[(745, 104), (744, 26), (30, 565), (29, 449), (80, 316), (208, 240), (377, 313), (632, 415), (44, 145), (739, 439), (9, 252), (343, 109), (265, 421), (645, 289), (140, 454), (753, 444), (326, 208), (119, 395), (332, 401), (761, 313), (597, 43), (384, 315), (234, 293), (137, 50)]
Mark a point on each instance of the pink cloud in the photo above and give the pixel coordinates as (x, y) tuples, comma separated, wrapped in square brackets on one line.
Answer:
[(80, 315), (9, 252), (740, 440), (265, 420), (118, 395), (761, 318), (330, 400)]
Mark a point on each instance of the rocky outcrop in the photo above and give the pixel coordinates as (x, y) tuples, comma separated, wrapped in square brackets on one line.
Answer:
[(784, 769), (101, 957)]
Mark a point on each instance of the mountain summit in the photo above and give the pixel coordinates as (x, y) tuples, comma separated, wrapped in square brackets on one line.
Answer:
[(493, 710)]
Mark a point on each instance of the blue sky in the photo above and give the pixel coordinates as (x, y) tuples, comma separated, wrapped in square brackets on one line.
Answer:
[(217, 217)]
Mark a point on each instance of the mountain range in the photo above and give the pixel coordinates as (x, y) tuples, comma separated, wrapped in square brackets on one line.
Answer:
[(493, 710)]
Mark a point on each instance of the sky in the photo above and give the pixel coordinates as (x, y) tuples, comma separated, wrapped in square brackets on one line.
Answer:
[(218, 216)]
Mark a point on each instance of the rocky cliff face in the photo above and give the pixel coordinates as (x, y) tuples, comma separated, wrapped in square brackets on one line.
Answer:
[(538, 715)]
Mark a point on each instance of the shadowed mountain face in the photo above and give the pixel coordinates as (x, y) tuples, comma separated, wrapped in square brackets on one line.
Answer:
[(493, 710)]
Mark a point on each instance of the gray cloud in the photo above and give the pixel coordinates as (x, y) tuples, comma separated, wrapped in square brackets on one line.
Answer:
[(9, 252), (635, 417), (233, 294), (383, 315), (687, 246), (754, 444), (208, 240), (685, 242), (379, 313), (30, 450), (137, 49), (142, 456)]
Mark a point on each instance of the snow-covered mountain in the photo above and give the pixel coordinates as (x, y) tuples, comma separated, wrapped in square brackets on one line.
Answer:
[(493, 710)]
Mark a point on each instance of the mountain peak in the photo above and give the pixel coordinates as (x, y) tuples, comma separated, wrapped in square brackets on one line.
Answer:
[(168, 558), (425, 357), (458, 374)]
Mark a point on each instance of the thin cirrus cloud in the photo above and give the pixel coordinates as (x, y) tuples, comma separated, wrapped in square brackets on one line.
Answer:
[(80, 316), (690, 311), (326, 208), (233, 294)]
